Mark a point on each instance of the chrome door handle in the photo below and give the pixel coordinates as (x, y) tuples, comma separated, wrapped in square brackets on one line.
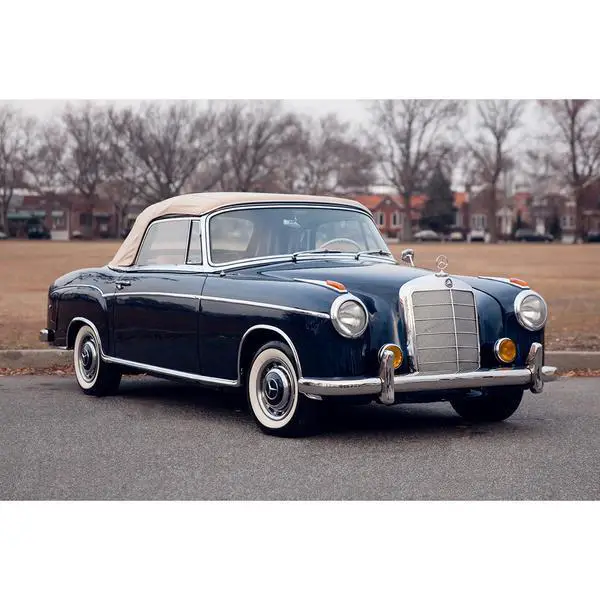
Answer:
[(122, 284)]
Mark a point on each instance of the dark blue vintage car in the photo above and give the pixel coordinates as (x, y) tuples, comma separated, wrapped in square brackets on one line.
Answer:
[(296, 300)]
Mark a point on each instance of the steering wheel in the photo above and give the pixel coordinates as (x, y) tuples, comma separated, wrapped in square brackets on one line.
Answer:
[(341, 240)]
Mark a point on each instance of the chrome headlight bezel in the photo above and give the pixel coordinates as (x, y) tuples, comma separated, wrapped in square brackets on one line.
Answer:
[(518, 307), (341, 327)]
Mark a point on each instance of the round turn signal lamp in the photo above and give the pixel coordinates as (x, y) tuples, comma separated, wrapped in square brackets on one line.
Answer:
[(505, 350), (396, 351)]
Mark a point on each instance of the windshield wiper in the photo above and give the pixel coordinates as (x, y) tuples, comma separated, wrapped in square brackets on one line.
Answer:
[(316, 251), (372, 252)]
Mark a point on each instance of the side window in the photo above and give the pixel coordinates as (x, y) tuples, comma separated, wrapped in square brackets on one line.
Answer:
[(165, 243), (195, 250), (230, 238)]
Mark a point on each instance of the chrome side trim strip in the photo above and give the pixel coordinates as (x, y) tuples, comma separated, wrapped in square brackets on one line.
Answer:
[(172, 372), (193, 376), (152, 368), (504, 280), (321, 283), (301, 311), (78, 285), (168, 294)]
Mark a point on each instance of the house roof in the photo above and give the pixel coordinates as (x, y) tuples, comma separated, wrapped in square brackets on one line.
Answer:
[(200, 204), (372, 201)]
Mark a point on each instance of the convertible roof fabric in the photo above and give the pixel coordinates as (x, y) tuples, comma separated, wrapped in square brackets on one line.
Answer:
[(200, 204)]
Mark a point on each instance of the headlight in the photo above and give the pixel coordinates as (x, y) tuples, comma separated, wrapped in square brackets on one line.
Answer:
[(349, 316), (531, 310)]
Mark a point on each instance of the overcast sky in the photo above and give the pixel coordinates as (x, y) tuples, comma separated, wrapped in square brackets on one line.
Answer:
[(355, 111), (352, 110)]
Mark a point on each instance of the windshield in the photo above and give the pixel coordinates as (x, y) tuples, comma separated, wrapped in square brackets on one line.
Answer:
[(250, 233)]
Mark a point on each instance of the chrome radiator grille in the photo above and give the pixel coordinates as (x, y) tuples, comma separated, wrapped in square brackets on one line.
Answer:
[(445, 336)]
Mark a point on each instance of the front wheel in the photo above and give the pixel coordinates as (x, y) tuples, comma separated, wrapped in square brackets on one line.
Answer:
[(272, 387), (94, 376), (493, 406)]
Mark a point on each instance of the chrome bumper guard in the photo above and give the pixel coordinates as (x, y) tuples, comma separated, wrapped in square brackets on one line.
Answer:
[(386, 385)]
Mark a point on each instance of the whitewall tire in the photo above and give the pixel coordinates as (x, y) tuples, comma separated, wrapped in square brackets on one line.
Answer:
[(94, 376), (273, 397)]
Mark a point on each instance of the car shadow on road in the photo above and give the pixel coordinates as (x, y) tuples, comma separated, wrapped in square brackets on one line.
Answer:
[(434, 419)]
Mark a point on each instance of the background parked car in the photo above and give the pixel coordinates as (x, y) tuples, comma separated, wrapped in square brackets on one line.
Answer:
[(427, 235), (528, 235), (3, 236), (456, 236), (476, 235), (593, 236), (38, 232)]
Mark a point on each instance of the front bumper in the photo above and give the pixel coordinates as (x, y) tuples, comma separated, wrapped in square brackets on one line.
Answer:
[(386, 385)]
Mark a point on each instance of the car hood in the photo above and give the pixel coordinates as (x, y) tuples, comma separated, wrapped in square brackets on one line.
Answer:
[(360, 277), (370, 278)]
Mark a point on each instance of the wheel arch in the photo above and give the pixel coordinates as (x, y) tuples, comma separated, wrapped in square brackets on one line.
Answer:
[(73, 328), (257, 336)]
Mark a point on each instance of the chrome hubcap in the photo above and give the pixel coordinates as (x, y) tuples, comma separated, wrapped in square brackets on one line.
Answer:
[(88, 359), (275, 392)]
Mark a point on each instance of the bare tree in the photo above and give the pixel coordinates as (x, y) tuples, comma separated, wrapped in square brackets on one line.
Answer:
[(411, 137), (325, 159), (73, 152), (15, 134), (254, 139), (169, 146), (574, 146), (490, 151)]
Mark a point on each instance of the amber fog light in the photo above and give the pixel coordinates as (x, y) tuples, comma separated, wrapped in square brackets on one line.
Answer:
[(505, 350), (396, 351)]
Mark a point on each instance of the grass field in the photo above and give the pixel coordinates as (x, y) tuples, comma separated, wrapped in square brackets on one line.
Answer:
[(567, 276)]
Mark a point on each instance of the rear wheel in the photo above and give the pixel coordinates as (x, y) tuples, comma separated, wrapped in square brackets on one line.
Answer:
[(272, 386), (493, 406), (94, 376)]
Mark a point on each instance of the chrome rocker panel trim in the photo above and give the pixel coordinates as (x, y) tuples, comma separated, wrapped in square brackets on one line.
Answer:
[(202, 379), (534, 376)]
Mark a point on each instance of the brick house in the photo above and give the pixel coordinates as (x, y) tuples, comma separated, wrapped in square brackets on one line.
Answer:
[(546, 208), (388, 212), (477, 214), (65, 216), (591, 207), (521, 202)]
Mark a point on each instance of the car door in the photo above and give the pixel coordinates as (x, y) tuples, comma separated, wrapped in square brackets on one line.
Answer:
[(156, 301)]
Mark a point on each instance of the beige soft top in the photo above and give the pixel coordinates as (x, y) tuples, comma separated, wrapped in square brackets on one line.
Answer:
[(200, 204)]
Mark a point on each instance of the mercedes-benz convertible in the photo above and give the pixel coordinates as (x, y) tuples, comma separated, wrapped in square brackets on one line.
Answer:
[(297, 301)]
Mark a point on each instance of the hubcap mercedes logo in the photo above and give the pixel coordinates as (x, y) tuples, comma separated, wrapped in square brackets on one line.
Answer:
[(272, 388)]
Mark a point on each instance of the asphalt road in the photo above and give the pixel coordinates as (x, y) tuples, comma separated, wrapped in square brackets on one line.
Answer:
[(163, 440)]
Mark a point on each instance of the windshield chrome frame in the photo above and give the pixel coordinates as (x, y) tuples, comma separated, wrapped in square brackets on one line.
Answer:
[(290, 256)]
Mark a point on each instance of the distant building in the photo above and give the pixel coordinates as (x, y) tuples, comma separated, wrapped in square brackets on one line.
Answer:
[(65, 216), (389, 211)]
